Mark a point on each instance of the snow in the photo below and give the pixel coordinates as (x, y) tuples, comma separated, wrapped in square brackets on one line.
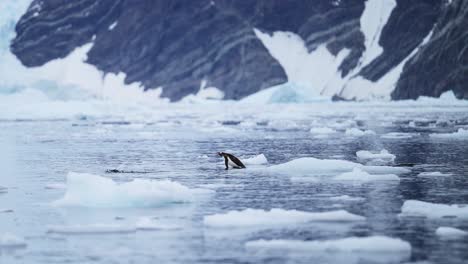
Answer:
[(310, 71), (381, 158), (356, 132), (204, 93), (373, 19), (8, 240), (90, 190), (377, 244), (256, 160), (434, 174), (433, 210), (450, 232), (274, 217), (359, 175), (460, 134)]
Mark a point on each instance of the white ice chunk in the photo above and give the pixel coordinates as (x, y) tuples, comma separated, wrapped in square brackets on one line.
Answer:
[(359, 175), (320, 167), (384, 157), (58, 186), (256, 160), (434, 174), (112, 26), (322, 130), (346, 198), (433, 210), (90, 190), (450, 232), (460, 134), (11, 241), (91, 229), (399, 135), (356, 132), (274, 217), (377, 244)]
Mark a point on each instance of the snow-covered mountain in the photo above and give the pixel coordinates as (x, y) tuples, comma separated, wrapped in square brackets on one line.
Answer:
[(350, 49)]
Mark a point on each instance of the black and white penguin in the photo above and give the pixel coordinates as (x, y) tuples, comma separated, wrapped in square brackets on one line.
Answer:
[(231, 161)]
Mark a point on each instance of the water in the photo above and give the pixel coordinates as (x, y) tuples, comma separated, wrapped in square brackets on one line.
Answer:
[(180, 143)]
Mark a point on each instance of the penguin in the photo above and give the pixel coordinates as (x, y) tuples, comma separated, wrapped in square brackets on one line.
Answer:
[(231, 161)]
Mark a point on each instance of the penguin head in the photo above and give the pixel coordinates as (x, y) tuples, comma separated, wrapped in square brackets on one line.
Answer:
[(221, 154)]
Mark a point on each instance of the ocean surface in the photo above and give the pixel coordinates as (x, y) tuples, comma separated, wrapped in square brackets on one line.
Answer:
[(179, 142)]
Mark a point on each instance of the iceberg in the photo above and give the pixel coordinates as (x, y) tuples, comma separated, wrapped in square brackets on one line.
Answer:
[(359, 175), (356, 132), (450, 232), (256, 160)]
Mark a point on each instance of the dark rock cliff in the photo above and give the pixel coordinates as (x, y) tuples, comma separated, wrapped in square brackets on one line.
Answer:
[(178, 43), (442, 64)]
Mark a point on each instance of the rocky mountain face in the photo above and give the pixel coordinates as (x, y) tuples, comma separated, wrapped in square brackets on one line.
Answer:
[(177, 44)]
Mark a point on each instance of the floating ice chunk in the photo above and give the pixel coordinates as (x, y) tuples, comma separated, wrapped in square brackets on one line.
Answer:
[(91, 229), (146, 223), (317, 167), (433, 210), (90, 190), (346, 198), (58, 186), (11, 241), (434, 174), (256, 160), (343, 124), (274, 217), (460, 134), (384, 157), (450, 232), (359, 175), (377, 244), (322, 130), (356, 132), (385, 169), (399, 135)]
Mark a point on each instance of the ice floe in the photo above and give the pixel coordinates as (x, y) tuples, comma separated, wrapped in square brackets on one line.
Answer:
[(450, 232), (256, 160), (90, 190), (356, 132), (91, 229), (433, 210), (11, 241), (346, 198), (274, 217), (381, 158), (377, 244), (310, 166), (399, 135), (359, 175), (460, 134), (322, 130), (434, 174), (56, 186)]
